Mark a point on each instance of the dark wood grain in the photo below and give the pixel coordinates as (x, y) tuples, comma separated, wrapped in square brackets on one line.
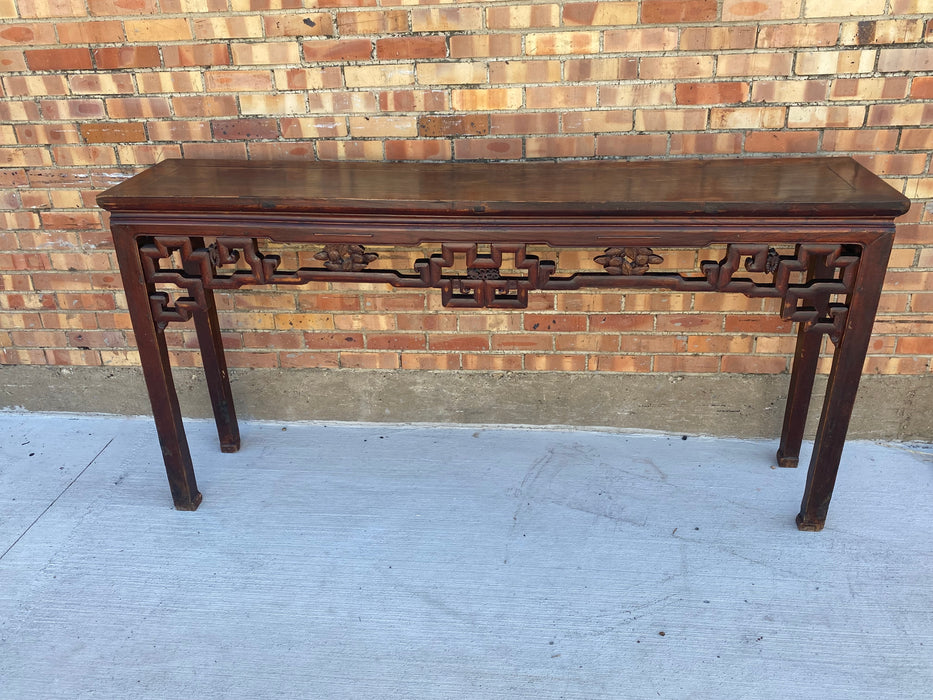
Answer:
[(812, 187)]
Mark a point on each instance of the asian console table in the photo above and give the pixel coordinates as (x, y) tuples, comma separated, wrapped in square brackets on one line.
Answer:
[(196, 226)]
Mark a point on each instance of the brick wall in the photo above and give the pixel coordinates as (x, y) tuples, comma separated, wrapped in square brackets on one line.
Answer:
[(94, 90)]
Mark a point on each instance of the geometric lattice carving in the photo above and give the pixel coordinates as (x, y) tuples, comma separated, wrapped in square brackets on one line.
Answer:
[(828, 271), (812, 283), (484, 285)]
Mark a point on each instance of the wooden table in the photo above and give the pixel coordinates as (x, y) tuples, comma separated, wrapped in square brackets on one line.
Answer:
[(815, 233)]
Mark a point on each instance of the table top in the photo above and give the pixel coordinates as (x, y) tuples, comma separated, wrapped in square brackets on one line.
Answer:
[(780, 187)]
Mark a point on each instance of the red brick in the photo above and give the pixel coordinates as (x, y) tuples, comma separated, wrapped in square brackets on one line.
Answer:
[(198, 106), (337, 50), (586, 343), (245, 129), (59, 59), (523, 16), (11, 60), (782, 142), (602, 69), (233, 151), (686, 364), (418, 149), (351, 150), (113, 132), (600, 13), (922, 88), (522, 341), (753, 364), (620, 323), (593, 121), (717, 38), (917, 140), (524, 124), (411, 47), (907, 114), (560, 147), (671, 12), (514, 72), (631, 145), (641, 39), (333, 341), (488, 149), (554, 324), (666, 67), (65, 110), (860, 139), (46, 133), (457, 125), (360, 360), (102, 32), (238, 81), (122, 7), (712, 143), (793, 34), (110, 58), (711, 93), (78, 220), (303, 24), (446, 19), (485, 45), (136, 107), (562, 97), (372, 22), (562, 43), (413, 101), (28, 34), (458, 342), (179, 131), (555, 363), (896, 60), (177, 55), (274, 340)]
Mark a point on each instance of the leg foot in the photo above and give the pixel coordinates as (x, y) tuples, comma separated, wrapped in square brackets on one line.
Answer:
[(230, 446), (787, 461), (805, 525), (189, 504)]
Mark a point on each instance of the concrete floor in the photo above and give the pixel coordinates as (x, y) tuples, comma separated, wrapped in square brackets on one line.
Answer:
[(378, 561)]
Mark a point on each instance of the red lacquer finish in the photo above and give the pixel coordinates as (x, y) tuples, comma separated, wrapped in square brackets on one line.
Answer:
[(216, 217)]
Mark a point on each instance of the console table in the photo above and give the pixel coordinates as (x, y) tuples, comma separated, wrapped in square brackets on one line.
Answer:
[(815, 233)]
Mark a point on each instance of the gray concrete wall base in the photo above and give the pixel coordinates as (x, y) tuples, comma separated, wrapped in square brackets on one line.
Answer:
[(888, 408)]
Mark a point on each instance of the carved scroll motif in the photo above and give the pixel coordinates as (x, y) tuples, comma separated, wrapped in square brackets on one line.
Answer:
[(813, 283), (628, 261), (348, 258)]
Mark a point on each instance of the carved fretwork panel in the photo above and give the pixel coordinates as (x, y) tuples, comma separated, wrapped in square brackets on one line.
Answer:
[(825, 272), (813, 282), (483, 284)]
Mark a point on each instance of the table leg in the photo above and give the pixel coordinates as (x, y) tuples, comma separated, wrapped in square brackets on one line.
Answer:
[(153, 356), (802, 377), (215, 370), (803, 373), (842, 386)]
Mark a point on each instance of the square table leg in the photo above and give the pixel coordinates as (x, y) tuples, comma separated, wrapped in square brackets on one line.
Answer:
[(841, 389), (157, 370), (803, 374), (214, 362)]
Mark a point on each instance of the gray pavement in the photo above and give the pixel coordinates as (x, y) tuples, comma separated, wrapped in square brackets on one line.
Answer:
[(347, 560)]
